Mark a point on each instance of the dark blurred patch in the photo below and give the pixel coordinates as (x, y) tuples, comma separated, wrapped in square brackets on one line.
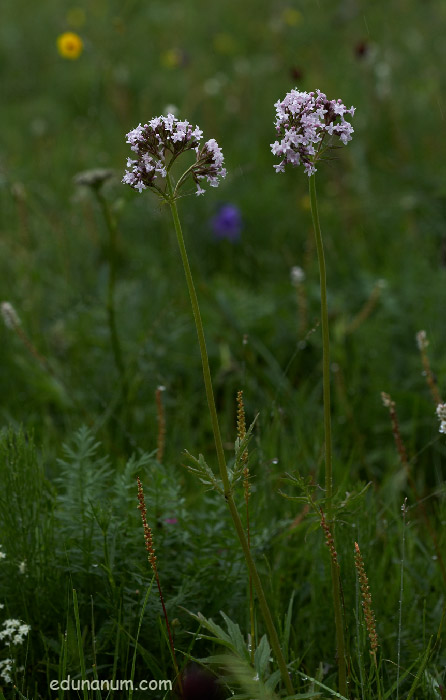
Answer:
[(361, 49), (199, 684), (296, 73)]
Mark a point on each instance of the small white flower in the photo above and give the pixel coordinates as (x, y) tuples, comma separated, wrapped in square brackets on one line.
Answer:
[(5, 667), (297, 275), (441, 414), (14, 631), (10, 316), (441, 411), (386, 399), (171, 109), (22, 567), (422, 340)]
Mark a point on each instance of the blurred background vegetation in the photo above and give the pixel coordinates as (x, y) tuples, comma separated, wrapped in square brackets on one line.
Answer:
[(382, 206)]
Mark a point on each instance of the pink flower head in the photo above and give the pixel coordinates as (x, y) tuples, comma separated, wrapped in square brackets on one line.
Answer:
[(159, 142), (303, 121)]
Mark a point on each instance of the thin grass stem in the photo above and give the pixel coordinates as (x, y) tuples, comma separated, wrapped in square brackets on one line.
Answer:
[(400, 612), (79, 644)]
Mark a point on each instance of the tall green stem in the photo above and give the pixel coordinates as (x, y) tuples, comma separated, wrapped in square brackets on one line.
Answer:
[(325, 350), (273, 637), (327, 425)]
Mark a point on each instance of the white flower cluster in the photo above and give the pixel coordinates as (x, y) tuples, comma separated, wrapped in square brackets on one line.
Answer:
[(2, 554), (297, 276), (159, 142), (303, 121), (14, 631), (441, 413), (10, 317), (422, 340), (5, 670)]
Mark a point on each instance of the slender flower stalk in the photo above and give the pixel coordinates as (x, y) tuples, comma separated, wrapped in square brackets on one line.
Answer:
[(298, 281), (402, 452), (148, 538), (366, 602), (390, 404), (272, 632), (369, 306), (306, 124), (342, 670), (13, 322), (423, 343), (241, 434), (400, 611), (326, 348), (95, 179), (161, 442), (157, 145), (329, 541)]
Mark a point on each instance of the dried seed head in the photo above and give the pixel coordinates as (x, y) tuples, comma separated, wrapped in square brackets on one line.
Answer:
[(10, 316), (147, 531), (441, 413), (387, 400), (297, 276), (329, 540), (94, 178), (366, 601), (422, 340)]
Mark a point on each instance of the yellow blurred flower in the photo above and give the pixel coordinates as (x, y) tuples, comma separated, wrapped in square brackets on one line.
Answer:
[(292, 17), (305, 203), (76, 17), (69, 45), (171, 58), (224, 43)]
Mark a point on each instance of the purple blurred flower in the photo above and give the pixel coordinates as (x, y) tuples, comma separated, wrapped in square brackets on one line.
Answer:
[(171, 521), (227, 223)]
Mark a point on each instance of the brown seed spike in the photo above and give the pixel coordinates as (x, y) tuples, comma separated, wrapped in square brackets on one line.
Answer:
[(366, 602), (148, 538), (329, 541), (241, 423)]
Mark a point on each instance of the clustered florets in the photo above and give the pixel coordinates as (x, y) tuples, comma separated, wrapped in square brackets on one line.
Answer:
[(14, 631), (158, 143), (422, 340), (303, 121), (441, 413)]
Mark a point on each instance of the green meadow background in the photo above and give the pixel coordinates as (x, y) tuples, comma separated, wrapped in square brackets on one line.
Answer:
[(70, 450)]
